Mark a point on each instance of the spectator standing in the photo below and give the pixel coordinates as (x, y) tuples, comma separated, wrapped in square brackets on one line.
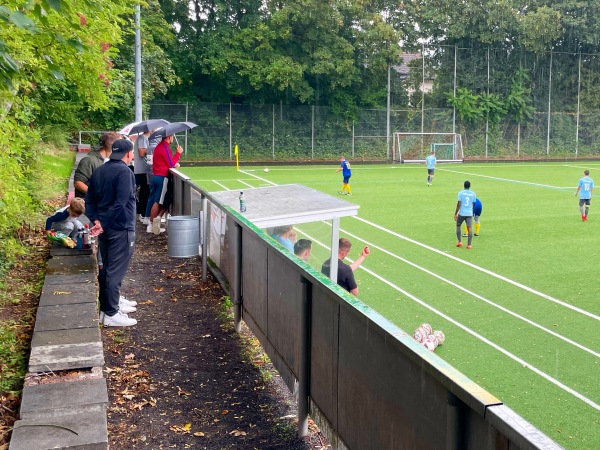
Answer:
[(162, 160), (140, 169), (110, 204), (345, 276), (88, 164)]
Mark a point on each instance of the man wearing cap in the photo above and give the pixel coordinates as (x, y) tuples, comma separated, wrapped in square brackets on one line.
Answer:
[(110, 206)]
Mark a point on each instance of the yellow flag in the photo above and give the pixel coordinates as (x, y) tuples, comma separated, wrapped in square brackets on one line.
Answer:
[(235, 150)]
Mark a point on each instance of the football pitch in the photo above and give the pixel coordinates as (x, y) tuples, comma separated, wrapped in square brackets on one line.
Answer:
[(520, 310)]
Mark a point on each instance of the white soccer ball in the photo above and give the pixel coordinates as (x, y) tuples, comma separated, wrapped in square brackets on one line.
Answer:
[(418, 337), (440, 336), (428, 328), (266, 169), (430, 344)]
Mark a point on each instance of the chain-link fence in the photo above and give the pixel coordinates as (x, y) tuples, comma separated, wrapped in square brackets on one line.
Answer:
[(560, 92)]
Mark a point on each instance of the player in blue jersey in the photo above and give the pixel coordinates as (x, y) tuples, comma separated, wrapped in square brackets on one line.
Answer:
[(464, 212), (477, 209), (584, 189), (431, 163), (346, 173)]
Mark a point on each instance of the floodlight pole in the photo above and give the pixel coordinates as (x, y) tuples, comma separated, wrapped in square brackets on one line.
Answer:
[(138, 66)]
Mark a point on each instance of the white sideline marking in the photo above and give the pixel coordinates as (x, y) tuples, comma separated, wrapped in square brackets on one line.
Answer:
[(486, 271), (509, 180), (216, 182), (502, 308), (512, 356), (247, 184), (260, 178)]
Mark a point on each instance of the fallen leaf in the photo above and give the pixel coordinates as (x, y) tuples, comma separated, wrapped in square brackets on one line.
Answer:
[(129, 357), (199, 433), (158, 289), (147, 302), (61, 293), (224, 412), (173, 299), (238, 433)]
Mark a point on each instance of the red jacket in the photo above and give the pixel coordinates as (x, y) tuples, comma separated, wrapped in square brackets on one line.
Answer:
[(163, 159)]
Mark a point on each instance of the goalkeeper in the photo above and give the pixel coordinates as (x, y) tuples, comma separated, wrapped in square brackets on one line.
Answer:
[(477, 208)]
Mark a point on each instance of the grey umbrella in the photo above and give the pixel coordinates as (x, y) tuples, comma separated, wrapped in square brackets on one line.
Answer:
[(172, 128), (148, 125)]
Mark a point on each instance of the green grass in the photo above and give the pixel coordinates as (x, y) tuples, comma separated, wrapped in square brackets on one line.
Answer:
[(513, 308)]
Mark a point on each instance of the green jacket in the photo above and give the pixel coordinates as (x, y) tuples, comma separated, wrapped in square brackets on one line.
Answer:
[(85, 168)]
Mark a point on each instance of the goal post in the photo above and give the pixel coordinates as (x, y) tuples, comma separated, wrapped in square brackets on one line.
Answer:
[(414, 147)]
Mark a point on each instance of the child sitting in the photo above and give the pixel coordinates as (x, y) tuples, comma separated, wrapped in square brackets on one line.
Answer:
[(66, 220)]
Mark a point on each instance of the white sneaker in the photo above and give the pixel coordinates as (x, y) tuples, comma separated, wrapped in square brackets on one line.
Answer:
[(149, 227), (126, 301), (145, 221), (126, 308), (156, 225), (120, 319)]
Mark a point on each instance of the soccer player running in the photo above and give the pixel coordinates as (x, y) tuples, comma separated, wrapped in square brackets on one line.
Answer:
[(464, 212), (346, 173), (477, 209), (431, 162), (584, 189)]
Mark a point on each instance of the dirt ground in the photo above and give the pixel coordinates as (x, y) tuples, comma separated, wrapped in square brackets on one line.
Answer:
[(182, 377)]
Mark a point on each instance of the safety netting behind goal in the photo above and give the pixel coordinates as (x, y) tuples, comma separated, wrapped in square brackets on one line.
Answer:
[(414, 147)]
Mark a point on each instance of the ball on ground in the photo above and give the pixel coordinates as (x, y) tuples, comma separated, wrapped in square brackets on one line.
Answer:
[(440, 336), (427, 328), (266, 169)]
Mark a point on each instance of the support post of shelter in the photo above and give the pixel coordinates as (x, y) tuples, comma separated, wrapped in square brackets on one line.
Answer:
[(203, 235), (335, 245), (453, 423), (237, 278), (304, 369)]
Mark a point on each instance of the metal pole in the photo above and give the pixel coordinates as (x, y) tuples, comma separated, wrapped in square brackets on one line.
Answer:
[(236, 285), (549, 106), (353, 139), (422, 90), (389, 98), (230, 133), (304, 369), (578, 106), (138, 66), (312, 133), (454, 90), (273, 132), (204, 236), (335, 245), (487, 119), (186, 133)]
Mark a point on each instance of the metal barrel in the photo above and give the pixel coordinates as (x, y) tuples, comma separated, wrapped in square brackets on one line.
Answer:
[(183, 236)]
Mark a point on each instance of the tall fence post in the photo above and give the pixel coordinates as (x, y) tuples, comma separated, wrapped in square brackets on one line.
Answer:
[(304, 369), (204, 235), (237, 278)]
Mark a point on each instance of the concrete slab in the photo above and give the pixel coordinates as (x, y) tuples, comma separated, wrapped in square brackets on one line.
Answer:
[(84, 431), (70, 265), (66, 337), (57, 250), (66, 295), (58, 399), (68, 280), (46, 358), (66, 317)]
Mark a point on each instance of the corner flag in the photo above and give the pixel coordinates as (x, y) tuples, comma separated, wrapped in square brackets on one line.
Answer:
[(235, 152)]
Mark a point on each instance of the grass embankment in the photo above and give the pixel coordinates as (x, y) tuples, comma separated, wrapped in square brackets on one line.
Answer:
[(23, 274)]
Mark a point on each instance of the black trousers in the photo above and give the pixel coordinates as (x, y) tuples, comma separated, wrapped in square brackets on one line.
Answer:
[(143, 192), (116, 248)]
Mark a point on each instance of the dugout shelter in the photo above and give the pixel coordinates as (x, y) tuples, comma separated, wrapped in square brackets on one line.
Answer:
[(292, 204)]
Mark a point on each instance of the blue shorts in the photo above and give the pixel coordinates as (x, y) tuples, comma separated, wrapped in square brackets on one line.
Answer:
[(346, 179), (161, 191)]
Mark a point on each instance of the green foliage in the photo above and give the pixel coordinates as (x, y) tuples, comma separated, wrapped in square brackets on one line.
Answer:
[(517, 102), (466, 104), (13, 358)]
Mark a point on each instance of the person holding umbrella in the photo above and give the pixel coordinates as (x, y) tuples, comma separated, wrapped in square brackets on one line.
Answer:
[(162, 160)]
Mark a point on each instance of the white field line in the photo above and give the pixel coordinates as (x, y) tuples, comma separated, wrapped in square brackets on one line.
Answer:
[(216, 182), (502, 350), (457, 286), (510, 180), (260, 178), (486, 271), (247, 184)]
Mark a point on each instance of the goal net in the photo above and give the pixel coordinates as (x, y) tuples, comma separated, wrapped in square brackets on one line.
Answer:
[(414, 147)]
